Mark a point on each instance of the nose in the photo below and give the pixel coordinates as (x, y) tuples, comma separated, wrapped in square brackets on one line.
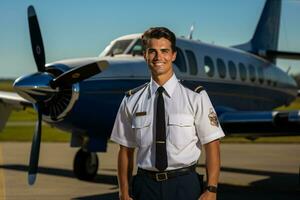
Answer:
[(158, 56)]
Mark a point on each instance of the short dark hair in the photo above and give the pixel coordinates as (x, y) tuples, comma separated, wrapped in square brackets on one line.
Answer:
[(157, 33)]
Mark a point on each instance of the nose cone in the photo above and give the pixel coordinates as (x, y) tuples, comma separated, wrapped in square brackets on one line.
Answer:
[(35, 87)]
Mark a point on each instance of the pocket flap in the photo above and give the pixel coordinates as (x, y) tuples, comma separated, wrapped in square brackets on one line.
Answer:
[(141, 121), (181, 120)]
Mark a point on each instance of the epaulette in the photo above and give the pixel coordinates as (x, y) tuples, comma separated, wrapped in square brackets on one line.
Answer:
[(135, 90), (199, 89)]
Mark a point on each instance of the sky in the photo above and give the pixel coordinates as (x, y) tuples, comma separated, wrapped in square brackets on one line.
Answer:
[(77, 28)]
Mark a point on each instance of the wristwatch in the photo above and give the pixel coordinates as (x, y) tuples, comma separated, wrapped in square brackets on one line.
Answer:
[(212, 188)]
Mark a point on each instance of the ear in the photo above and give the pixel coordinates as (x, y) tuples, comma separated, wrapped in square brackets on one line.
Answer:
[(145, 55), (174, 56)]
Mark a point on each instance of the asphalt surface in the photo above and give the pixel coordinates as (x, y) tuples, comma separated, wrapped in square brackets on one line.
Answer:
[(249, 171)]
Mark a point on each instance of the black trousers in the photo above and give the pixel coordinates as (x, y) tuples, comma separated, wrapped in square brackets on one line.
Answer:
[(186, 187)]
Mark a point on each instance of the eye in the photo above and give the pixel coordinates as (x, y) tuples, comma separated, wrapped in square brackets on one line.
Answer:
[(165, 51), (151, 51)]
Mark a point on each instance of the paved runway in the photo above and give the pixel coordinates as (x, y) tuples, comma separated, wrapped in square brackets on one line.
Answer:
[(249, 171)]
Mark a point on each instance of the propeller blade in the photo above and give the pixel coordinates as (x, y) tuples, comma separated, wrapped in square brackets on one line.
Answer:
[(79, 73), (36, 39), (35, 148)]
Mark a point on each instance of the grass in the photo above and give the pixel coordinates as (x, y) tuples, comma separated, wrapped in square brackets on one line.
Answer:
[(25, 133), (295, 105), (6, 85), (24, 116), (277, 139), (25, 130)]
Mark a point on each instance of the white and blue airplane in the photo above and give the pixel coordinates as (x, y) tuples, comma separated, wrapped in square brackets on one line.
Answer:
[(243, 82)]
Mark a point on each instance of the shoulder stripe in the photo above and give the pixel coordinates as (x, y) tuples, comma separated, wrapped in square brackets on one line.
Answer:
[(135, 90), (199, 89)]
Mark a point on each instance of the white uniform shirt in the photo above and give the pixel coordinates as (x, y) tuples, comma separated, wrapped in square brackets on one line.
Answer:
[(190, 122)]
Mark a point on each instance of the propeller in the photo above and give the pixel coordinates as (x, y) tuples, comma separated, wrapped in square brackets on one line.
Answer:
[(79, 73), (35, 147), (41, 85), (36, 39), (39, 57)]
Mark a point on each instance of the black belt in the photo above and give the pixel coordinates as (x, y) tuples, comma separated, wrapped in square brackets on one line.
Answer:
[(162, 176)]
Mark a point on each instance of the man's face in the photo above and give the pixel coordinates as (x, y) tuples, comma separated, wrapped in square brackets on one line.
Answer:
[(159, 56)]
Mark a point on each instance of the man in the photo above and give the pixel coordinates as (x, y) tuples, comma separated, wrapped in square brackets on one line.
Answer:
[(168, 123)]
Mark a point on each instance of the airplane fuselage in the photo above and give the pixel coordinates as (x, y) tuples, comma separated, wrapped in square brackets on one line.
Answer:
[(234, 80)]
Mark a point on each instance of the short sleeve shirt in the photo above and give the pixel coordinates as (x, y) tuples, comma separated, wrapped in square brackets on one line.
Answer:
[(191, 121)]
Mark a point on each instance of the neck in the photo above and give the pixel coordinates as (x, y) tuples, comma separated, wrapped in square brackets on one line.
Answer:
[(162, 79)]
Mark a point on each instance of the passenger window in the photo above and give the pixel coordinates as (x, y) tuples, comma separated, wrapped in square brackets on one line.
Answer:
[(232, 70), (260, 72), (269, 82), (192, 62), (221, 68), (243, 71), (209, 67), (252, 73), (180, 61)]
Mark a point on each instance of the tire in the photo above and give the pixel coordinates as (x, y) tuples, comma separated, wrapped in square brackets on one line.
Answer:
[(85, 165)]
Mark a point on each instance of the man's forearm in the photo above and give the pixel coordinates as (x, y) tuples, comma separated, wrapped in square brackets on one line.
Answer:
[(212, 150), (125, 167)]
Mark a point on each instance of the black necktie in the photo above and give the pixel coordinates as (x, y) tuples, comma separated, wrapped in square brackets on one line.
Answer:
[(161, 160)]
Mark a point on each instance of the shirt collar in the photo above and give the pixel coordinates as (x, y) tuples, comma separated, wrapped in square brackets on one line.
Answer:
[(169, 86)]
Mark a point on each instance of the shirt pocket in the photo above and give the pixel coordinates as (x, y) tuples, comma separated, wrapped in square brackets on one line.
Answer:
[(181, 130), (142, 129)]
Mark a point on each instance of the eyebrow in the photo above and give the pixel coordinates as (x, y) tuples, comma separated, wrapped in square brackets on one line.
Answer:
[(162, 49)]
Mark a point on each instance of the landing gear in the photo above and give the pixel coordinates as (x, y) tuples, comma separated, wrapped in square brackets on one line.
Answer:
[(85, 165)]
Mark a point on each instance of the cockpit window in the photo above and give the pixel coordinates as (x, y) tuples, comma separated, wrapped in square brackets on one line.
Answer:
[(137, 48), (118, 47)]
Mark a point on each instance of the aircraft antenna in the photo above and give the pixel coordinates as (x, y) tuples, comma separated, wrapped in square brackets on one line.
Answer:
[(190, 36)]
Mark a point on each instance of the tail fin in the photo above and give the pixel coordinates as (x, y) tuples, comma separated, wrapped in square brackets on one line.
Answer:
[(267, 31)]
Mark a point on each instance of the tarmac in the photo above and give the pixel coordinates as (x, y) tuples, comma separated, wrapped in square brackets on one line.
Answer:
[(249, 171)]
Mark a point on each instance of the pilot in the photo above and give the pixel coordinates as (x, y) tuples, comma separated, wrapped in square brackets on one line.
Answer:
[(168, 124)]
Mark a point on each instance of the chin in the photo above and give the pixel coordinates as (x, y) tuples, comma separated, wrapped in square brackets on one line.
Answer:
[(159, 72)]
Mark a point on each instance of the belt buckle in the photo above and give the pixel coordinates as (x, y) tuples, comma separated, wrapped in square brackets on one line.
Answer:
[(161, 176)]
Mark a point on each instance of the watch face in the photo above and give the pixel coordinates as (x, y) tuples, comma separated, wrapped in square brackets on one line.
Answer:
[(211, 188)]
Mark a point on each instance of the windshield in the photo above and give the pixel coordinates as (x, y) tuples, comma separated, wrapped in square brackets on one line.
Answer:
[(118, 47), (137, 48)]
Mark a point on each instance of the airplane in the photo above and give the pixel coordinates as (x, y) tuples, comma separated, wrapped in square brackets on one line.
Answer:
[(82, 96)]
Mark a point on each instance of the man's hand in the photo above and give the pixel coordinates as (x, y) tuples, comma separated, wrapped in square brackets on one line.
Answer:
[(125, 197), (208, 196)]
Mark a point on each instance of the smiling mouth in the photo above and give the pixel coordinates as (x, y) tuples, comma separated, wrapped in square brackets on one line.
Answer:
[(158, 63)]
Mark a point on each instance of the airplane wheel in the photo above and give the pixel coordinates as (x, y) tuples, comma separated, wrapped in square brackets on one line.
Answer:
[(85, 165)]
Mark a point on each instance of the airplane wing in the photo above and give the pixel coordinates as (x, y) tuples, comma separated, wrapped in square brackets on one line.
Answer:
[(9, 101), (261, 123)]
